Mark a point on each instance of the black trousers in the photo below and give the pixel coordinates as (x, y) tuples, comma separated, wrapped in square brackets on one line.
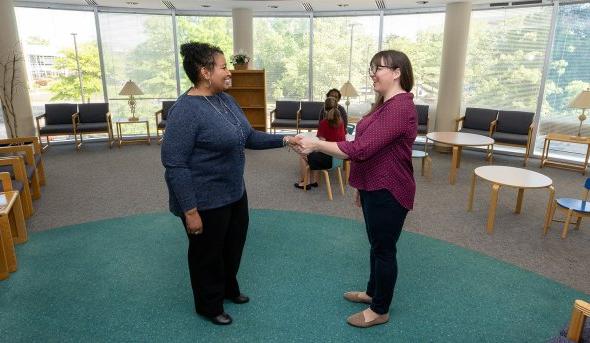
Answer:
[(384, 219), (214, 256)]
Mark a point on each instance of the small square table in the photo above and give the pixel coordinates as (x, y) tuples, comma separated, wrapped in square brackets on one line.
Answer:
[(568, 139), (125, 121)]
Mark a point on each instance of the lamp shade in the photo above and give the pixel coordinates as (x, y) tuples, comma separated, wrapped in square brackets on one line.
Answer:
[(348, 90), (582, 100), (130, 88)]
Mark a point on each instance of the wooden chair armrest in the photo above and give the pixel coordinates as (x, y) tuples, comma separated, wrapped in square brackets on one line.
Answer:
[(109, 117), (583, 306), (18, 166), (458, 121), (298, 116), (493, 127), (6, 181), (272, 114), (29, 151), (34, 140), (156, 114)]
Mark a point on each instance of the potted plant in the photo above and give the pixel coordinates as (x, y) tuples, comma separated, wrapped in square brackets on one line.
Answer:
[(240, 60)]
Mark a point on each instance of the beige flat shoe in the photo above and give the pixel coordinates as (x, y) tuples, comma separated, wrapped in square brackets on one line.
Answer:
[(355, 297), (358, 320)]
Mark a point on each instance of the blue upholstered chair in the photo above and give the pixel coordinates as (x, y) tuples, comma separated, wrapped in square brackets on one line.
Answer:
[(477, 121), (309, 114), (284, 116), (422, 111), (573, 208), (93, 118), (514, 128)]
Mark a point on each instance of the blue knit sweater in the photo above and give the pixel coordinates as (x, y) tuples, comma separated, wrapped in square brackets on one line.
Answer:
[(203, 151)]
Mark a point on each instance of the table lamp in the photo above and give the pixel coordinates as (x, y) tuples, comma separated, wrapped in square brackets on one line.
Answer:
[(581, 101), (131, 89), (348, 91)]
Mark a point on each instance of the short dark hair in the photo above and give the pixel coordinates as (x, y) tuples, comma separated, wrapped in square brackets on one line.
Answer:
[(334, 90), (196, 55), (397, 59)]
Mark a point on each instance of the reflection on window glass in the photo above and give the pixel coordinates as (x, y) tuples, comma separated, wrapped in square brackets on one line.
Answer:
[(281, 47), (334, 64), (138, 47), (217, 31), (420, 36), (569, 74), (505, 57)]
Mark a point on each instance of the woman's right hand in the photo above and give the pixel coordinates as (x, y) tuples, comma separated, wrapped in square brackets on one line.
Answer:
[(357, 199), (194, 225)]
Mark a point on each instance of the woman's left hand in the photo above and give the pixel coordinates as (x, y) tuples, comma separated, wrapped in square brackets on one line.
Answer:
[(308, 145)]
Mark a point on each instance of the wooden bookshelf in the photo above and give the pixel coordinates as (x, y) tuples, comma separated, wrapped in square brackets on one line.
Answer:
[(249, 90)]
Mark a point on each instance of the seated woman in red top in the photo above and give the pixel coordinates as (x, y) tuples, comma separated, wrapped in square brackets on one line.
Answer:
[(331, 129)]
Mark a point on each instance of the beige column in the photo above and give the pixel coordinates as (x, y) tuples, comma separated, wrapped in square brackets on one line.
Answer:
[(14, 93), (452, 68), (243, 33)]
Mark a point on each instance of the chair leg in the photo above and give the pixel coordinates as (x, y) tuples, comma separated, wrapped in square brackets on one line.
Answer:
[(27, 201), (340, 180), (328, 187), (578, 222), (550, 218), (35, 185), (566, 224), (41, 171)]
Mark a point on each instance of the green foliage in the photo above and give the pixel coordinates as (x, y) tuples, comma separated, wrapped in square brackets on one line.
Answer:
[(67, 86)]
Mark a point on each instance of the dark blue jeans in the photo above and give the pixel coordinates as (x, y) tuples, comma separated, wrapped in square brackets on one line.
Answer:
[(384, 219)]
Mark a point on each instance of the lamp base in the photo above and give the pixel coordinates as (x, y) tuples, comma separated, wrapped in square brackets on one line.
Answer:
[(133, 119)]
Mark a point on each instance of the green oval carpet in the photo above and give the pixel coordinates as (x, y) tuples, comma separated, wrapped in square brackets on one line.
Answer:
[(126, 279)]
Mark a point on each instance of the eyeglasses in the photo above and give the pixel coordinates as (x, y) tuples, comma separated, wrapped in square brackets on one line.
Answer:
[(373, 69)]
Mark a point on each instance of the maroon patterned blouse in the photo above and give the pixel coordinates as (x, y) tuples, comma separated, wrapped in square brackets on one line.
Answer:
[(381, 153)]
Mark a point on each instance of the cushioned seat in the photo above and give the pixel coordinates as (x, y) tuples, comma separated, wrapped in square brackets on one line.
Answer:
[(16, 186), (477, 132), (510, 138), (514, 128), (422, 111), (92, 127), (58, 121), (309, 114), (284, 116)]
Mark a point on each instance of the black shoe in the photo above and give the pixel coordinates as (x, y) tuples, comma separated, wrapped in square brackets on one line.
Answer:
[(296, 184), (222, 319), (240, 299)]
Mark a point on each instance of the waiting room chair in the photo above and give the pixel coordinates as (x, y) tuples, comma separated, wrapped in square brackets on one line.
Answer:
[(578, 329), (284, 116), (15, 167), (93, 118), (27, 153), (336, 165), (58, 120), (35, 142), (161, 124), (422, 111), (477, 121), (309, 114), (514, 128), (573, 208)]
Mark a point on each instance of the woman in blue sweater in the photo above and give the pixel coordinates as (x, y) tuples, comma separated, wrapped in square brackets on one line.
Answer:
[(203, 153)]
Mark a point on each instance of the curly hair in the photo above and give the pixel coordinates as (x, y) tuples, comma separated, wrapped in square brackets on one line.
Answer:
[(333, 115), (334, 90), (196, 55)]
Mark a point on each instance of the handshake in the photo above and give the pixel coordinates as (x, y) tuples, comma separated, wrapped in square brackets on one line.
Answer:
[(302, 145)]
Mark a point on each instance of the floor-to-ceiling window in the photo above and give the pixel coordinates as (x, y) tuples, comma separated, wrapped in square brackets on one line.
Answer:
[(505, 57), (568, 75), (213, 30), (420, 36), (47, 39), (281, 48), (336, 62), (138, 47)]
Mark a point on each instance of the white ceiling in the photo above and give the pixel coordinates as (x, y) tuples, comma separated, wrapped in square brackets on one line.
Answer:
[(260, 5)]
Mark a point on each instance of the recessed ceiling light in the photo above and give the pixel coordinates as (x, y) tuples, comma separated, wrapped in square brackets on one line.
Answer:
[(342, 5), (421, 2), (132, 3), (206, 6), (273, 6)]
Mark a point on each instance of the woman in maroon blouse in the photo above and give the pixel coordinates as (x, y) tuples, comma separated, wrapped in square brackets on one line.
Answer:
[(382, 172), (331, 129)]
